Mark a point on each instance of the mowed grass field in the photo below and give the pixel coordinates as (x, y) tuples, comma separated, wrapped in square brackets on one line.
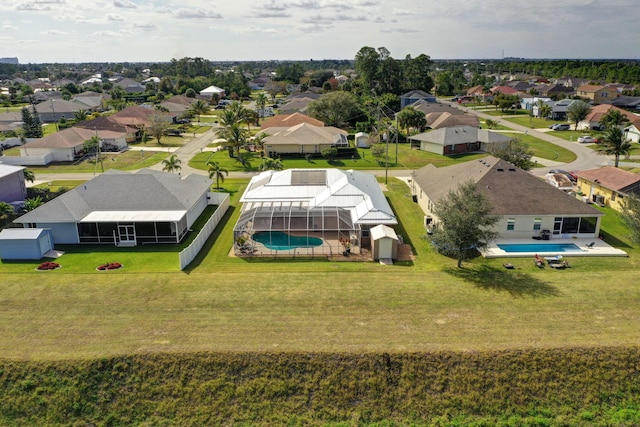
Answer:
[(222, 303)]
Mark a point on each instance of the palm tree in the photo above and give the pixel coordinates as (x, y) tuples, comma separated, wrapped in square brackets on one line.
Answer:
[(5, 210), (31, 204), (235, 136), (215, 170), (492, 124), (615, 144), (29, 175), (198, 108), (614, 118), (80, 115), (171, 164), (261, 102), (271, 164)]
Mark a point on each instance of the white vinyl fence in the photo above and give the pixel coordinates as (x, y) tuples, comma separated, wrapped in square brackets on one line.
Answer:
[(191, 251)]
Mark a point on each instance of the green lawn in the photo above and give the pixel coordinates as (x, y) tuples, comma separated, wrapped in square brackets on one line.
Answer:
[(127, 160), (56, 185), (407, 159), (532, 122), (223, 303)]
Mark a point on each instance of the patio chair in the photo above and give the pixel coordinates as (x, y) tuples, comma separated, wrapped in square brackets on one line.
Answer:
[(590, 245)]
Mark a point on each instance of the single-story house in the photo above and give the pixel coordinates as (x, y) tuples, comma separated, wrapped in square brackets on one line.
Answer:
[(302, 139), (526, 204), (415, 95), (288, 120), (67, 145), (446, 119), (608, 186), (333, 205), (130, 85), (13, 189), (631, 103), (560, 109), (211, 91), (597, 112), (25, 243), (632, 132), (124, 209), (294, 105), (54, 110), (457, 140)]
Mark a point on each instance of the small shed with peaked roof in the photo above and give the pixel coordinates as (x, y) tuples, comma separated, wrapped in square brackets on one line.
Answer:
[(384, 242)]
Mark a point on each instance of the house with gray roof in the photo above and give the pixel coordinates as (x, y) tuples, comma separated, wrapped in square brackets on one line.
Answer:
[(124, 209), (415, 95), (68, 144), (457, 140), (526, 204)]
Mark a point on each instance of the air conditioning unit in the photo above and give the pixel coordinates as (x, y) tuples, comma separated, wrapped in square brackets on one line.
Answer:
[(599, 200)]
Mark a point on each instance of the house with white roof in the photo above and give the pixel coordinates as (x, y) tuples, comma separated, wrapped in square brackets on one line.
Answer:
[(124, 209), (334, 206), (210, 91)]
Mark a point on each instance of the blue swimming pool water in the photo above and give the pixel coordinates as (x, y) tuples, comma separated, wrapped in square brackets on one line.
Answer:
[(539, 247), (280, 241)]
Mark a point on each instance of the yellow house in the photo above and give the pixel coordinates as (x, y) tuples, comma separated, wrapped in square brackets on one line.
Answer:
[(597, 93), (608, 186)]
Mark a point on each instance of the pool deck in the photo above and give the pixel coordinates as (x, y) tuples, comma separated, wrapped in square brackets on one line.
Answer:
[(600, 248)]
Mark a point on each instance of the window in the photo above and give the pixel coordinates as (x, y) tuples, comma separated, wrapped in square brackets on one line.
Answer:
[(511, 224), (537, 224), (613, 197)]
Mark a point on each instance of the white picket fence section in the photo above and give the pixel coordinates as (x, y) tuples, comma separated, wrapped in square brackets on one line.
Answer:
[(26, 160), (190, 252)]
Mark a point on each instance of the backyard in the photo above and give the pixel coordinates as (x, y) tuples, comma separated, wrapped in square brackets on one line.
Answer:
[(223, 303)]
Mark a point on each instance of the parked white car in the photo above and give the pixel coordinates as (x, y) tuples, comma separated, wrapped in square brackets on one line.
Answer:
[(586, 139)]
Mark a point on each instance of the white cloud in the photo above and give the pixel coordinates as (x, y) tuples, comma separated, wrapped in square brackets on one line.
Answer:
[(401, 12), (124, 4), (196, 14), (145, 26), (9, 27), (54, 33), (114, 17)]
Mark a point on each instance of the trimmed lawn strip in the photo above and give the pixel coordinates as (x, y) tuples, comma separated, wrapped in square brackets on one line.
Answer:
[(127, 160), (224, 303)]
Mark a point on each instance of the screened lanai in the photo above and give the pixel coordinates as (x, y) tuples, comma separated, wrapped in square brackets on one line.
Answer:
[(277, 226)]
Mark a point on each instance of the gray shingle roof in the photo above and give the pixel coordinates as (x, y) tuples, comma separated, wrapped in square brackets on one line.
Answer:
[(146, 190), (511, 190)]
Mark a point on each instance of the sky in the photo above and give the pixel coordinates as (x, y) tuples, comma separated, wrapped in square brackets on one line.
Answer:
[(38, 31)]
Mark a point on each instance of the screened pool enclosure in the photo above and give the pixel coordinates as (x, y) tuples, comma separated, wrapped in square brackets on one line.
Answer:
[(290, 228)]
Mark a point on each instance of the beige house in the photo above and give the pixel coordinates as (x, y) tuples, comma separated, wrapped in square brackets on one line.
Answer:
[(303, 139), (608, 186), (526, 204), (597, 93), (67, 145)]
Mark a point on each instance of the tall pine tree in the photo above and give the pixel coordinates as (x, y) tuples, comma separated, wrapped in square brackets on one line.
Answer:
[(37, 124), (31, 123)]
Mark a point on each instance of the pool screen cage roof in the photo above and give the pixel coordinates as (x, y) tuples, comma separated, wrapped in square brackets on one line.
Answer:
[(293, 217)]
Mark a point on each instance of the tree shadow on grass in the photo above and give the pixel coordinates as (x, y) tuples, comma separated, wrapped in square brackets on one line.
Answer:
[(516, 283)]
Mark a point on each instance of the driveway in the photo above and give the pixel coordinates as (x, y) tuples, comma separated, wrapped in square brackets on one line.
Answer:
[(586, 158)]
